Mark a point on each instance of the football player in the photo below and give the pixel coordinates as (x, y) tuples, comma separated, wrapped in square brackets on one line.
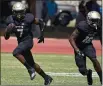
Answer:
[(20, 23), (81, 41)]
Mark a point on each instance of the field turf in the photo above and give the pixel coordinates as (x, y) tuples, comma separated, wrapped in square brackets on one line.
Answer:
[(61, 67)]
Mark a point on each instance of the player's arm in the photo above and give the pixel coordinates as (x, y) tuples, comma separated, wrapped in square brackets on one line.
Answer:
[(40, 22), (42, 26), (72, 39), (8, 31)]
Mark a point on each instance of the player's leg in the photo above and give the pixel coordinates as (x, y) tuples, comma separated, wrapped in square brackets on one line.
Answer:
[(30, 60), (91, 53), (18, 54), (46, 77), (81, 64)]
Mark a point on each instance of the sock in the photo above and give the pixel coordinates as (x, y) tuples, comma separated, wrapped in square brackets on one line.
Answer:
[(100, 76), (27, 65), (88, 71), (42, 73)]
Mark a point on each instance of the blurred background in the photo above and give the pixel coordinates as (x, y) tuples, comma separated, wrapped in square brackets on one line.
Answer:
[(55, 55), (47, 10)]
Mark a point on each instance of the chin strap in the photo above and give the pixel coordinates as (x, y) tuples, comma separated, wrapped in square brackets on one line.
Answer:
[(95, 26)]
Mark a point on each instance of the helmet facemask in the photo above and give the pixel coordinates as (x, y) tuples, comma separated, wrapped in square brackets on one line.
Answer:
[(93, 22), (19, 14)]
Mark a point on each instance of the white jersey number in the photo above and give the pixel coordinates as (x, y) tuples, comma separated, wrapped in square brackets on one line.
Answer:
[(20, 31)]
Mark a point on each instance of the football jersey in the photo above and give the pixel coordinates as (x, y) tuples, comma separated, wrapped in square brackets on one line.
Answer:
[(23, 29), (86, 33)]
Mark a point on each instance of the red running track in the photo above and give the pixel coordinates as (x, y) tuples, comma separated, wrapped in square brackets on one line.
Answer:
[(51, 46)]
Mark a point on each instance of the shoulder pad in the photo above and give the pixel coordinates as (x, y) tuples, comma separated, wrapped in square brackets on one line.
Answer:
[(29, 18), (9, 20), (82, 26)]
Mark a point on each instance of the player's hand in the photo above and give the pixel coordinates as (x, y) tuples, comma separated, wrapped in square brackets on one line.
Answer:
[(41, 39), (80, 53), (10, 27), (8, 31)]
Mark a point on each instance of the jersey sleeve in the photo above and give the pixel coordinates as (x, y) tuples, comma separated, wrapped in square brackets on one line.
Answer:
[(29, 18), (80, 26), (9, 20)]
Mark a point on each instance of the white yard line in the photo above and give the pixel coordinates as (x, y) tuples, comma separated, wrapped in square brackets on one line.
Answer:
[(94, 74)]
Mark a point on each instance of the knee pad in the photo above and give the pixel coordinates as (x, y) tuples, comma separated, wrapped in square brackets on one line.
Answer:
[(83, 71)]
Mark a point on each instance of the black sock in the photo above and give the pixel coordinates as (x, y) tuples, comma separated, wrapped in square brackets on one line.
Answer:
[(42, 73), (27, 65), (100, 76)]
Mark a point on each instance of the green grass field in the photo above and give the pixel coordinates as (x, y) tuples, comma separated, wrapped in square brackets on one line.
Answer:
[(59, 67)]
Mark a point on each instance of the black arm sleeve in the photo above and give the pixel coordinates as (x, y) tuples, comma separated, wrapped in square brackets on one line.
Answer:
[(8, 29), (41, 24), (6, 34)]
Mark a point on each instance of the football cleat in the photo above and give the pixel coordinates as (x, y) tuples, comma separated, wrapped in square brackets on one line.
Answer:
[(89, 77), (48, 80), (32, 73)]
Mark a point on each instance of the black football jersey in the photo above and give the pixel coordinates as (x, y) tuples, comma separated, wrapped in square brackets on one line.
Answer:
[(23, 28), (86, 34)]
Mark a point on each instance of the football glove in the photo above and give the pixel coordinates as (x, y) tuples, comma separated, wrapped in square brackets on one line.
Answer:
[(42, 24), (41, 38), (10, 28), (8, 31), (80, 54)]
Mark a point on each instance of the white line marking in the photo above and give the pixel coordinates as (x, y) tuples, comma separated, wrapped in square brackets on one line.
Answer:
[(94, 74)]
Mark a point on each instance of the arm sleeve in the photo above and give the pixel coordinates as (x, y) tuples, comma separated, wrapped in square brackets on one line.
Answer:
[(79, 26)]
